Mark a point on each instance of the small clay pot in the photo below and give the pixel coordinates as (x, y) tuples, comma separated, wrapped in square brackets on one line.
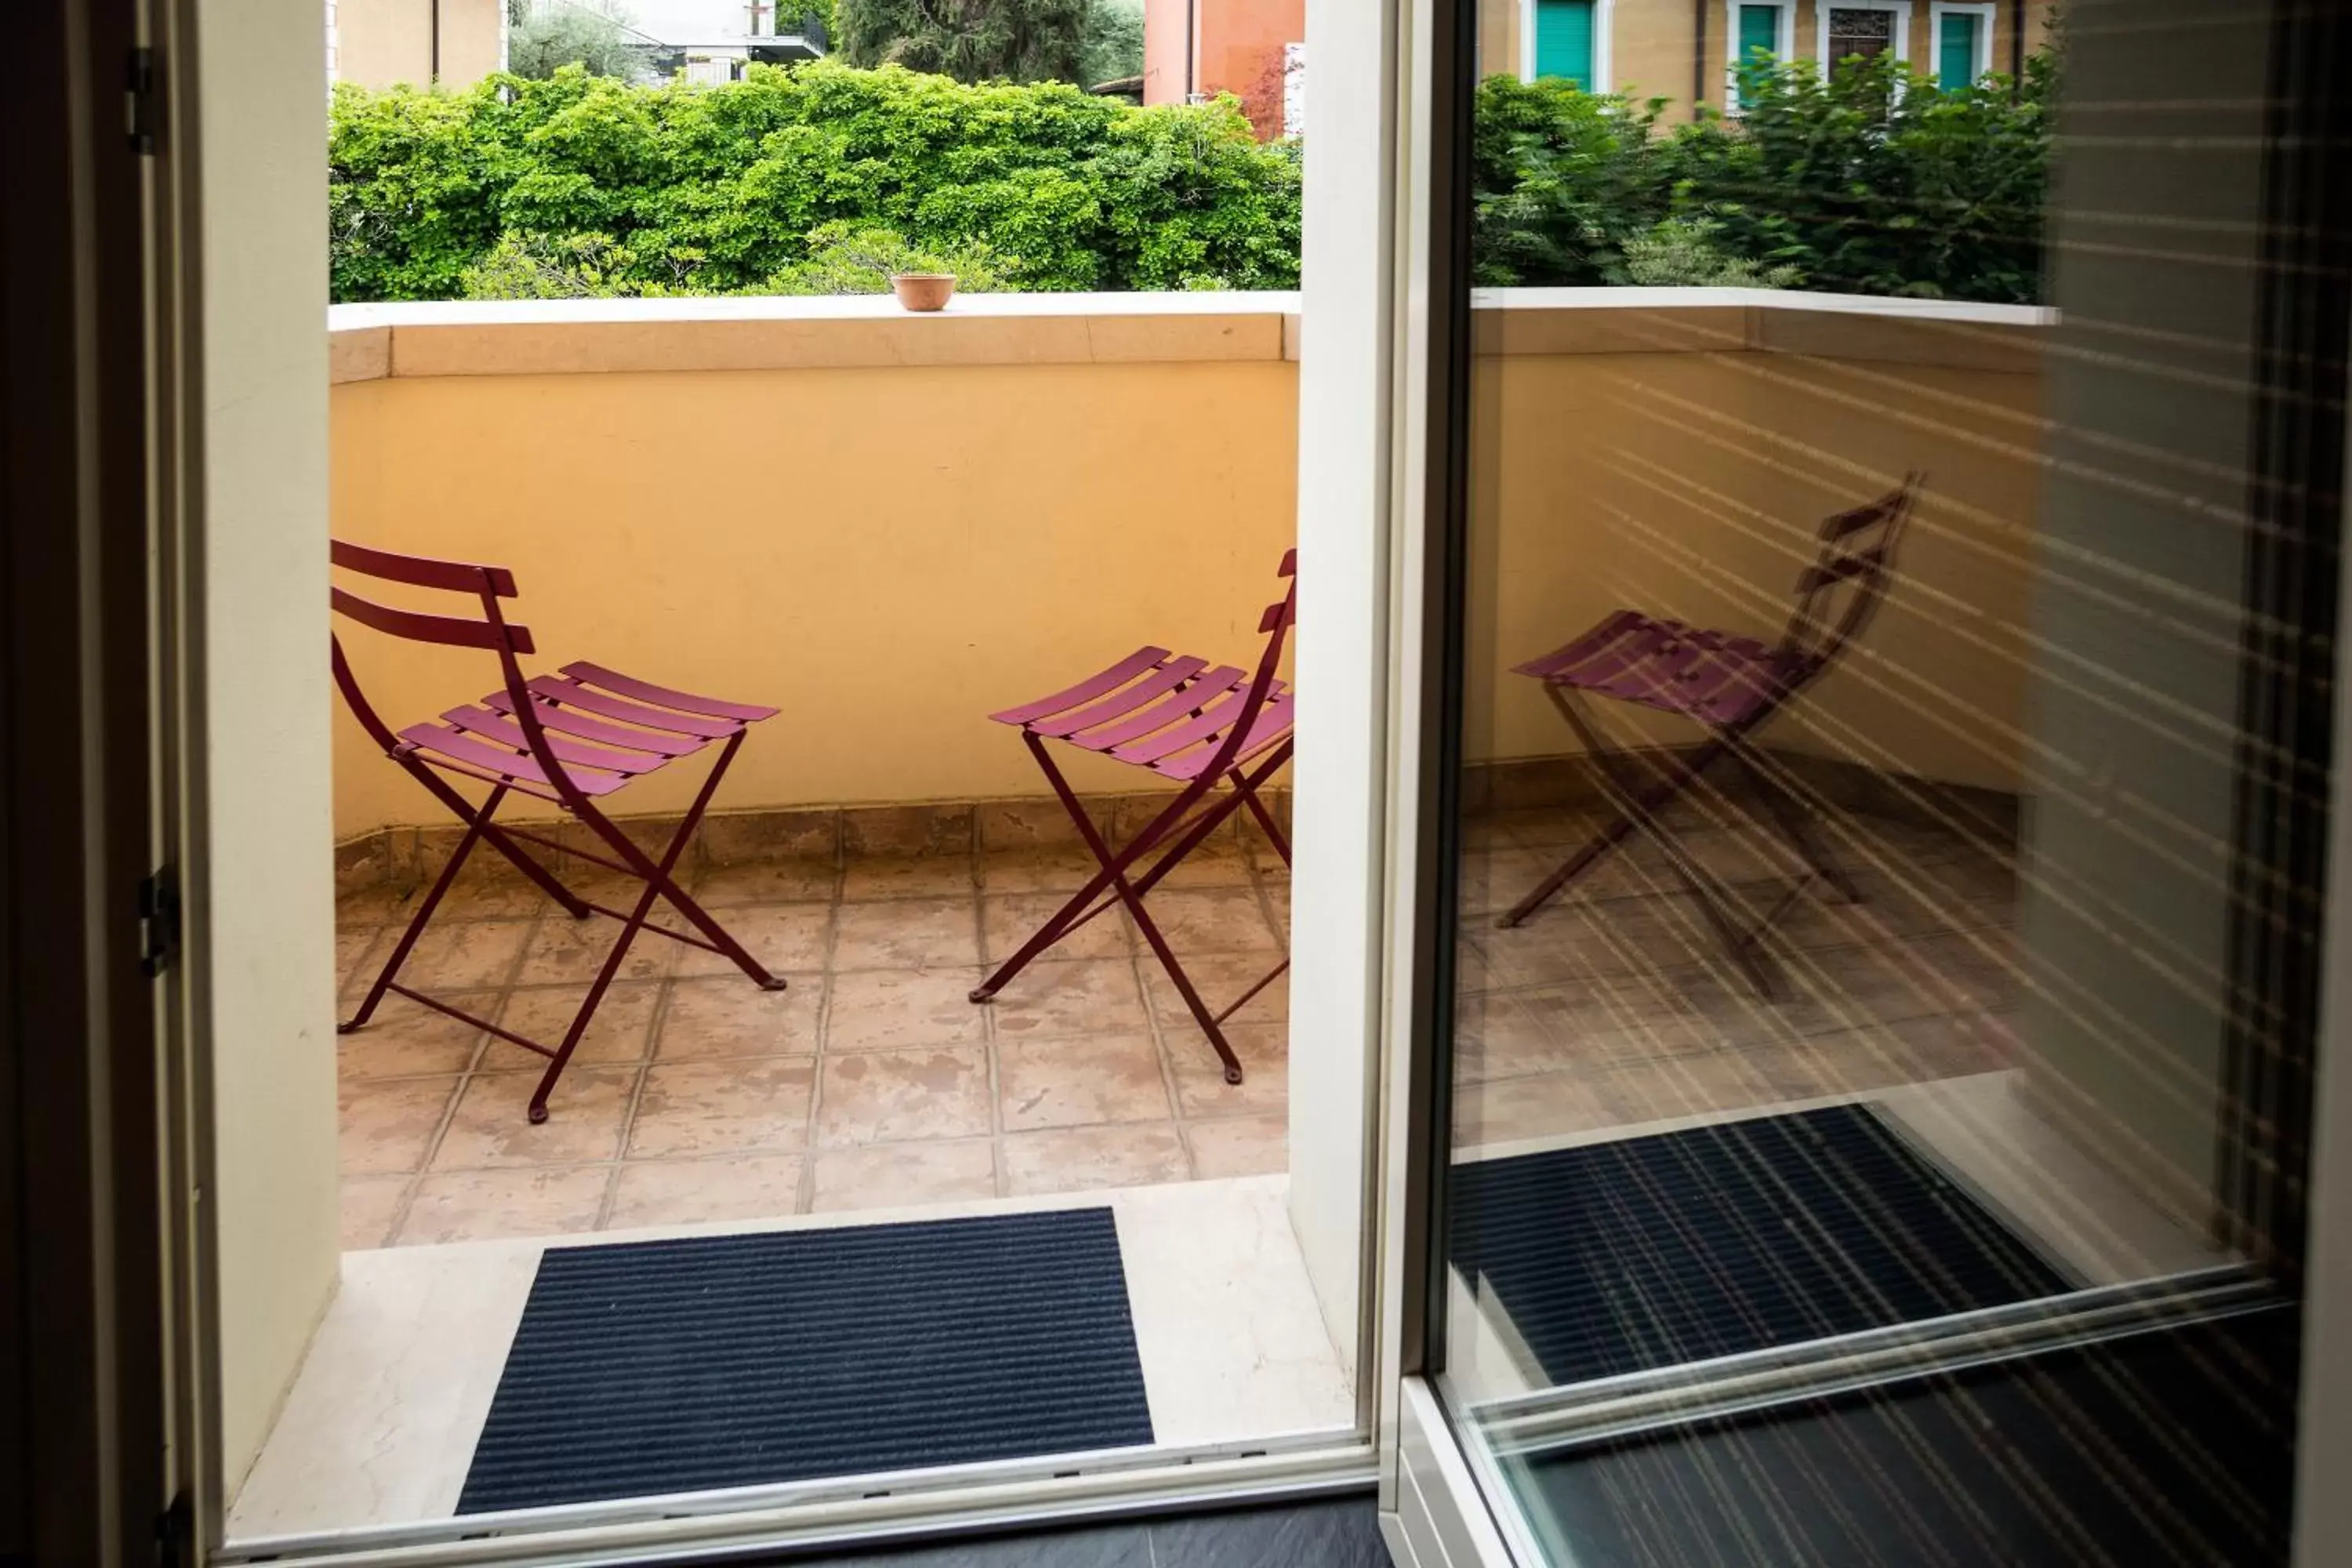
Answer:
[(924, 291)]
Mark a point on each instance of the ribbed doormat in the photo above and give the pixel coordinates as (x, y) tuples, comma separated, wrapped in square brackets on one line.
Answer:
[(655, 1367), (1678, 1247)]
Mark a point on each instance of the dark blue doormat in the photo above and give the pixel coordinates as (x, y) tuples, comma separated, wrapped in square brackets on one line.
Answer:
[(674, 1367), (1651, 1252)]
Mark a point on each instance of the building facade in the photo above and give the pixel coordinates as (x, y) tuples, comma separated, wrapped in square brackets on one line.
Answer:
[(1685, 52), (376, 43), (1194, 49)]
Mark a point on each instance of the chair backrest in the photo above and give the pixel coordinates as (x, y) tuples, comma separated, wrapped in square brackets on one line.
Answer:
[(491, 630), (1275, 625), (1842, 590)]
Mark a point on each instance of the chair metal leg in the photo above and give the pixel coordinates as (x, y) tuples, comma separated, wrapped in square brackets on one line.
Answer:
[(496, 836), (417, 922), (1640, 808), (1795, 819)]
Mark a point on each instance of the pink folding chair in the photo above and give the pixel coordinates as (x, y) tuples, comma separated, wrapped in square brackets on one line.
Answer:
[(1176, 717), (1730, 686), (575, 738)]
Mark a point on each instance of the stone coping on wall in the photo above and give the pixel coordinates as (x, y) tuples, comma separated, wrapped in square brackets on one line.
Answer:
[(562, 337)]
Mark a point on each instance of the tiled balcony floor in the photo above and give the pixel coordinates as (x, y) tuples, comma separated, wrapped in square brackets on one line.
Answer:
[(871, 1082), (1615, 1006)]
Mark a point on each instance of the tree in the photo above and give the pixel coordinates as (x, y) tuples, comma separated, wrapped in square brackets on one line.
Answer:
[(541, 37), (970, 40), (1113, 48)]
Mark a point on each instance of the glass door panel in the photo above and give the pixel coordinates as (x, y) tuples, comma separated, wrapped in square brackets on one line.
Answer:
[(1897, 581)]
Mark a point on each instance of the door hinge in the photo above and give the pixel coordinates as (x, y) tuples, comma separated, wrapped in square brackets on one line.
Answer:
[(159, 921), (175, 1533), (138, 101)]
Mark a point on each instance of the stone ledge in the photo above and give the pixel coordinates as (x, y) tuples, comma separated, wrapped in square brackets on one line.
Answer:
[(571, 337)]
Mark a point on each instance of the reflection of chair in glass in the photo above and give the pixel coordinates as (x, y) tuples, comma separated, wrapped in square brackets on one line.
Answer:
[(1730, 685), (572, 738), (1186, 722)]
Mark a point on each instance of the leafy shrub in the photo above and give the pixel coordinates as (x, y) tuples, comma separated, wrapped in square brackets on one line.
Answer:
[(717, 190), (1864, 182)]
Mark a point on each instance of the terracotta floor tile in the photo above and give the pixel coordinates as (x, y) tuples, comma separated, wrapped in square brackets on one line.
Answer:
[(894, 1176), (408, 1039), (908, 933), (464, 955), (369, 1203), (1264, 1053), (727, 1016), (388, 1124), (490, 890), (1211, 920), (1079, 1159), (477, 1206), (898, 1097), (352, 949), (781, 882), (566, 951), (1220, 977), (885, 1009), (492, 1128), (1056, 997), (869, 876), (1074, 1082), (1042, 870), (1240, 1146), (1218, 861), (704, 1107), (787, 938), (1009, 919), (696, 1192), (1016, 825), (620, 1032), (366, 908)]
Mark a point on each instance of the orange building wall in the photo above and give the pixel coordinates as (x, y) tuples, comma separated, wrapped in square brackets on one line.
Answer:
[(1239, 50)]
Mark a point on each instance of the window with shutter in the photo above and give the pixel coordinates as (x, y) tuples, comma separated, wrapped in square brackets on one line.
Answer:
[(1564, 40)]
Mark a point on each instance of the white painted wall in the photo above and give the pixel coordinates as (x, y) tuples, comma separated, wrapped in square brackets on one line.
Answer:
[(263, 151), (1343, 463)]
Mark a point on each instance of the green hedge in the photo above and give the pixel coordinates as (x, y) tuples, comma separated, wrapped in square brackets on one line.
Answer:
[(715, 190), (582, 185), (1864, 182)]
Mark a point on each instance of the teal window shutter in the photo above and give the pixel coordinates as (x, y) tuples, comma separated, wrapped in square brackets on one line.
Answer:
[(1564, 40), (1956, 50), (1760, 28)]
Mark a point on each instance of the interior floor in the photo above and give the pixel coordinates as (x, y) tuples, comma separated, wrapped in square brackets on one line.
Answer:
[(380, 1424), (871, 1082)]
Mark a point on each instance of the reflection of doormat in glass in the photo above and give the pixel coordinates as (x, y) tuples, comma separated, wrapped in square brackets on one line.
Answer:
[(1653, 1251), (648, 1368)]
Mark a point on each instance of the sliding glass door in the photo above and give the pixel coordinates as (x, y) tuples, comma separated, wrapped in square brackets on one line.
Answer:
[(1893, 591)]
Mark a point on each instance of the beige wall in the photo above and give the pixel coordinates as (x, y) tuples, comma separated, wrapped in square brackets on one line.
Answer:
[(380, 42), (889, 551), (886, 554), (1651, 43), (1689, 484), (267, 936)]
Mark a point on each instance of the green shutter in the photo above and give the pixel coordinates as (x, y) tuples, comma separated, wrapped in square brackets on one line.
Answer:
[(1564, 40), (1760, 28), (1956, 50)]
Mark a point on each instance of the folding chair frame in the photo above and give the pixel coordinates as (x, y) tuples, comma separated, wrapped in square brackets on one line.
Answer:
[(547, 778), (1809, 648), (1174, 834)]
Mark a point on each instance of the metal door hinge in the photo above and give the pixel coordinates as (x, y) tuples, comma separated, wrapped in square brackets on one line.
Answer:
[(159, 921), (138, 101)]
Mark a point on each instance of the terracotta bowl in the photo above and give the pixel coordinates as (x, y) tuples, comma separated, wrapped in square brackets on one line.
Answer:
[(924, 291)]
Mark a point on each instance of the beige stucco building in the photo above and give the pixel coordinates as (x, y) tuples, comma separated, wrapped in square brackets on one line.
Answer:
[(376, 43), (1683, 49)]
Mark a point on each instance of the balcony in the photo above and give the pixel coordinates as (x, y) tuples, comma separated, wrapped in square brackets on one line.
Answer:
[(889, 526)]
